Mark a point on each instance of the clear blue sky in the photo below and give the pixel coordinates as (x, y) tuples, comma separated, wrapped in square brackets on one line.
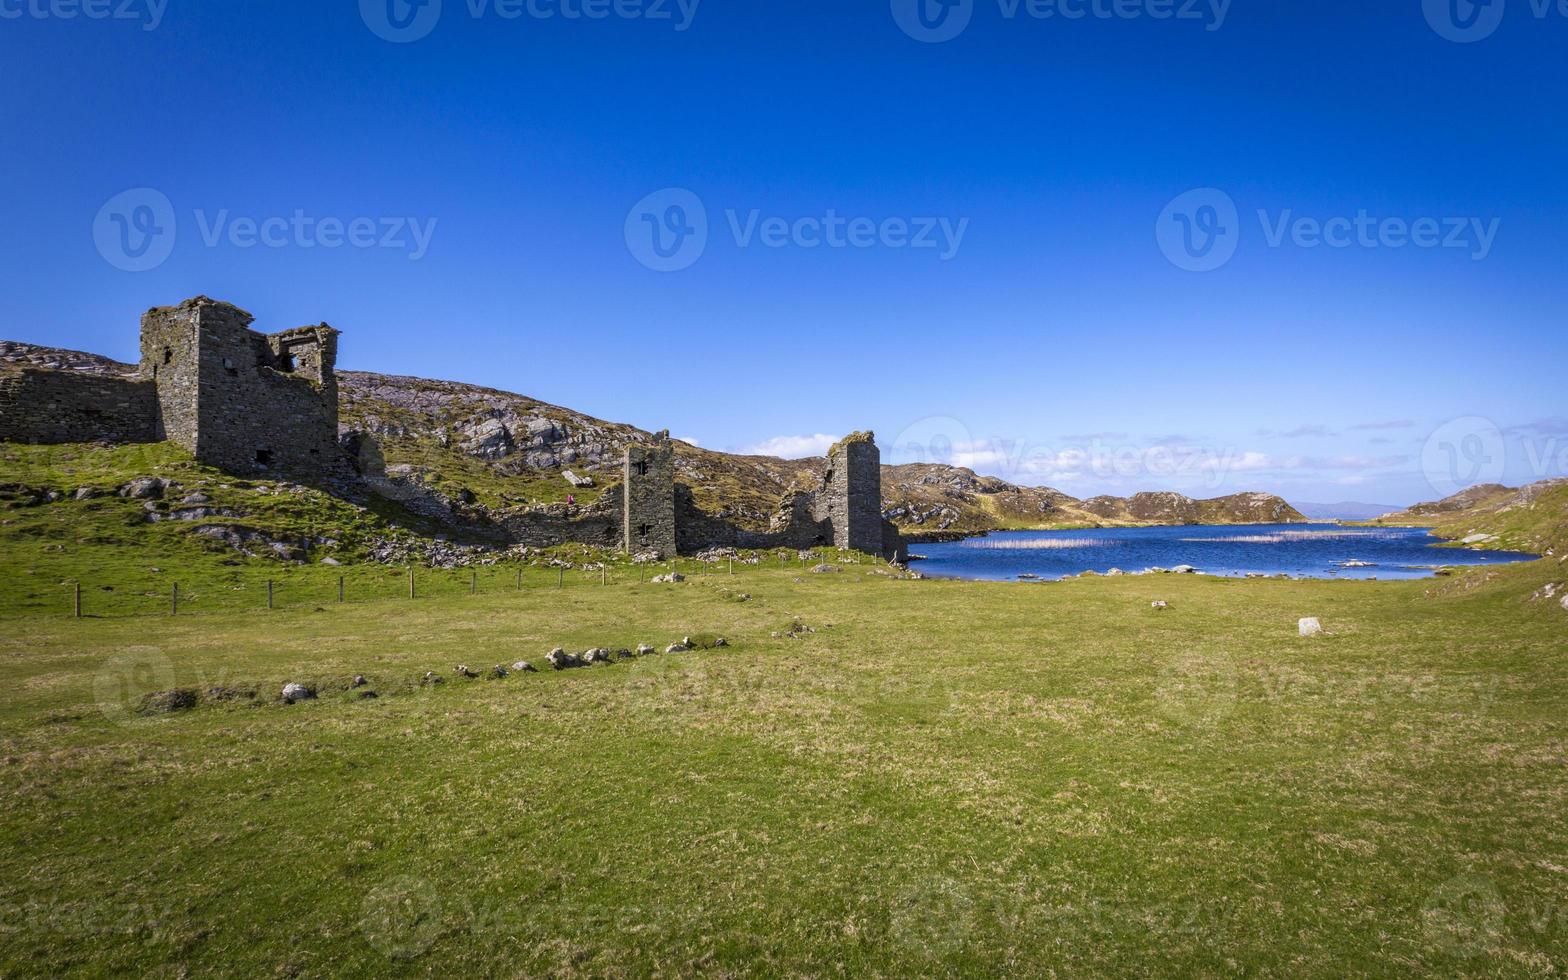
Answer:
[(1056, 343)]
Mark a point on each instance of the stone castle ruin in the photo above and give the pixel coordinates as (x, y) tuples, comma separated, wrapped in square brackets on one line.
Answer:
[(238, 400), (255, 404)]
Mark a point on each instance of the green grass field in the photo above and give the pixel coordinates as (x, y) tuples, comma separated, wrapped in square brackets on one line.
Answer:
[(944, 778)]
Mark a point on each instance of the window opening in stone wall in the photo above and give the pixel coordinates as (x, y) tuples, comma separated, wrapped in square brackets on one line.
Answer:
[(168, 355), (644, 530), (263, 457), (286, 363), (640, 467)]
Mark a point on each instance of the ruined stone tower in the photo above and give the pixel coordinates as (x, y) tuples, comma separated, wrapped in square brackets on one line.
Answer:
[(648, 520), (240, 400), (851, 495)]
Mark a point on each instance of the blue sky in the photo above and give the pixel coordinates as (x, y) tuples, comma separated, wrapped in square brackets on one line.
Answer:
[(988, 248)]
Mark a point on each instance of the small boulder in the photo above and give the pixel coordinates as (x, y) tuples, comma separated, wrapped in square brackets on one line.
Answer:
[(499, 672), (197, 498), (1160, 604), (431, 677), (561, 660), (825, 569), (1184, 570), (644, 650), (624, 654), (596, 656), (87, 493), (359, 681), (1311, 626), (294, 693), (523, 667), (669, 579), (462, 670), (144, 488), (721, 642)]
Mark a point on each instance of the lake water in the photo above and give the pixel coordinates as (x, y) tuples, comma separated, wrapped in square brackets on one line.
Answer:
[(1303, 550)]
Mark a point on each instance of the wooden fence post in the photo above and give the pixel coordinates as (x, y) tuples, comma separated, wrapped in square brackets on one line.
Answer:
[(473, 584), (340, 588), (560, 577), (269, 593), (174, 603), (76, 605), (411, 581)]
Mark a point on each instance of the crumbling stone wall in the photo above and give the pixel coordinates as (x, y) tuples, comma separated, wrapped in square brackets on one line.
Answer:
[(648, 491), (47, 406), (845, 511), (851, 495), (240, 400)]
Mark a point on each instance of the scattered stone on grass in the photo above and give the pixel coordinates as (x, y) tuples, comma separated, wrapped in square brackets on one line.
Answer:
[(561, 660), (1160, 604), (1311, 627), (462, 670), (523, 667), (294, 693)]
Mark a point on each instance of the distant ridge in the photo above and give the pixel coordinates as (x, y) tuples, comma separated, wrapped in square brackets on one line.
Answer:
[(1345, 511)]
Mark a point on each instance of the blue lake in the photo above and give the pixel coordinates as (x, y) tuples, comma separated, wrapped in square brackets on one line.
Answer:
[(1303, 550)]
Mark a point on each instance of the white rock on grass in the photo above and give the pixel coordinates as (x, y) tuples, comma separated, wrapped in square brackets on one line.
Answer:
[(1311, 627), (523, 667), (1160, 604), (293, 693)]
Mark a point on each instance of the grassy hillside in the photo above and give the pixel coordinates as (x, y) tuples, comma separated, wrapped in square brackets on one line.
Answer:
[(1533, 518), (936, 778), (494, 452)]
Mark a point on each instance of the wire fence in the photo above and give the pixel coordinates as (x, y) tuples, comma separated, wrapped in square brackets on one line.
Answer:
[(171, 593)]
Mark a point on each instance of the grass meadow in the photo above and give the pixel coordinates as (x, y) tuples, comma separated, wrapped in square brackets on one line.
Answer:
[(879, 776)]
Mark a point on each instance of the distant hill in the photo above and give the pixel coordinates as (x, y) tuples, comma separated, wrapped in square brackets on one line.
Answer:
[(483, 450), (1345, 511), (1531, 518)]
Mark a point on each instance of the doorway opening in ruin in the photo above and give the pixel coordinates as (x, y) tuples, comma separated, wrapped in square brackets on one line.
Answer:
[(643, 530), (263, 457)]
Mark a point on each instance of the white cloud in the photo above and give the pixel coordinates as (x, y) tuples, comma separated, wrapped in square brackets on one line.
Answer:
[(793, 447)]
